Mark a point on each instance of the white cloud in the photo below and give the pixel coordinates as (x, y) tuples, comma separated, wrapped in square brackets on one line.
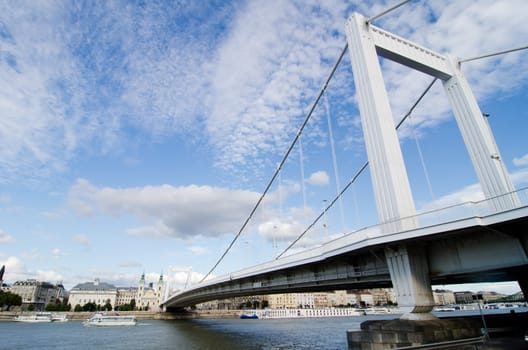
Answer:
[(56, 252), (16, 270), (319, 178), (506, 288), (179, 277), (520, 178), (244, 89), (471, 193), (521, 161), (82, 239), (169, 211), (4, 237), (198, 250), (261, 88), (134, 264)]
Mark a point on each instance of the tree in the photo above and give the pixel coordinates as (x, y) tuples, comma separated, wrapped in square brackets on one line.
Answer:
[(78, 308), (9, 299), (107, 306), (89, 307), (133, 304)]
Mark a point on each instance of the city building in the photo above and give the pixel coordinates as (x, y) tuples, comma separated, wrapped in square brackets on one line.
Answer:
[(145, 296), (126, 295), (488, 297), (364, 298), (36, 294), (464, 297), (97, 292), (291, 301), (148, 297), (383, 296), (444, 297), (337, 298)]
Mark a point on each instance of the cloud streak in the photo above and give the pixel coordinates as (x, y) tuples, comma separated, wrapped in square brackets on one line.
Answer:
[(239, 76), (168, 211)]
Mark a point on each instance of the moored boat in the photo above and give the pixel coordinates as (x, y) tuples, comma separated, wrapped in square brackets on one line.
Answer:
[(34, 318), (59, 318), (301, 313), (101, 320)]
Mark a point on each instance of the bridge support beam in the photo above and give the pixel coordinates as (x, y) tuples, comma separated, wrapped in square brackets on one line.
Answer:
[(523, 284), (480, 143), (390, 182), (409, 272)]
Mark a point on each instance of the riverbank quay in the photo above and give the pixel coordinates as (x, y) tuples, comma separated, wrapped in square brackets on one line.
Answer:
[(505, 331), (6, 316)]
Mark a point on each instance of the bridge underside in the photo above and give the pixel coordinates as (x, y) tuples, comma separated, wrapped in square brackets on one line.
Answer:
[(493, 253)]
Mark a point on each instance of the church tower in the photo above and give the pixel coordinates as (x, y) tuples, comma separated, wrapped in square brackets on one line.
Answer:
[(159, 289), (141, 290)]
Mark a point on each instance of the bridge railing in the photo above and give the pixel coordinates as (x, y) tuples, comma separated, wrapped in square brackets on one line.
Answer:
[(454, 214), (451, 213)]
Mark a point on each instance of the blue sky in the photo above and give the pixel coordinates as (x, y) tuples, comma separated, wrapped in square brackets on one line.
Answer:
[(136, 136)]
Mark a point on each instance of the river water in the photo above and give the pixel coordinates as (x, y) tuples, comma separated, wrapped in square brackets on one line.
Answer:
[(202, 334), (199, 334)]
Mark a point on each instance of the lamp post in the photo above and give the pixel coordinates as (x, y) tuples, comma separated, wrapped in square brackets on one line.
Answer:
[(325, 223)]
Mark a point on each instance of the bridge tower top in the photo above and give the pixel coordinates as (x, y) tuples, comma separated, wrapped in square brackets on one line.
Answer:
[(389, 178)]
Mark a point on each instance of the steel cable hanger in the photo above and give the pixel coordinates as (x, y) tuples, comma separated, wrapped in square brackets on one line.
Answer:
[(356, 175), (277, 171), (297, 136)]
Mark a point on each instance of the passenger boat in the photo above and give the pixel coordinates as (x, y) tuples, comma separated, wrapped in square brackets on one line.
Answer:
[(34, 318), (301, 313), (100, 320), (59, 318)]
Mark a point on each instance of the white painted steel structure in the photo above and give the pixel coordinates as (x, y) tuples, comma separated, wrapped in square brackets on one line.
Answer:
[(401, 239), (464, 243), (408, 265)]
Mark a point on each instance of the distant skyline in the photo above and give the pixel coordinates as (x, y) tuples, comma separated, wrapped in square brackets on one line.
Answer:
[(136, 137)]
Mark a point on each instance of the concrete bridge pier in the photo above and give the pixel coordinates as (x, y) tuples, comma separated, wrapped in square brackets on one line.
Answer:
[(523, 284), (409, 272)]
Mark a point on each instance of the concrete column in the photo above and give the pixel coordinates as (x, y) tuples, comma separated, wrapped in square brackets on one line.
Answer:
[(409, 270), (523, 284), (388, 173), (480, 143), (408, 267)]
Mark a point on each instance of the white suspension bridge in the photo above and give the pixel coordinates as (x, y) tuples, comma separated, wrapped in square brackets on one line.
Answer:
[(484, 241)]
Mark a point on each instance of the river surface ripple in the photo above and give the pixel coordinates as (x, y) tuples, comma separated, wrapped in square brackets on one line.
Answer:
[(214, 334)]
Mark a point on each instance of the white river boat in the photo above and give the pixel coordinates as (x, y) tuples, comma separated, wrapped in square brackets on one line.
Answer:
[(35, 318), (100, 320)]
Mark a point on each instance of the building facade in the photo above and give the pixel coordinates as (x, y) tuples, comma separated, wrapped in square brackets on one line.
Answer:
[(36, 294), (443, 297), (148, 297), (126, 295), (99, 293)]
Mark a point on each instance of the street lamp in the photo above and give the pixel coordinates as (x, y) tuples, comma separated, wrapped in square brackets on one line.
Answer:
[(325, 223)]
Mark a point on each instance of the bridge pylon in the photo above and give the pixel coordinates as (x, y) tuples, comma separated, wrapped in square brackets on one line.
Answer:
[(392, 191)]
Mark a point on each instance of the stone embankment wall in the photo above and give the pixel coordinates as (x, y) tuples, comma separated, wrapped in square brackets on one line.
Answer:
[(140, 315)]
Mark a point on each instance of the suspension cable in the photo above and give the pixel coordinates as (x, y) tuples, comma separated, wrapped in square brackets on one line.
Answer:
[(303, 185), (493, 54), (356, 175), (422, 160), (277, 171), (334, 158), (371, 19)]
